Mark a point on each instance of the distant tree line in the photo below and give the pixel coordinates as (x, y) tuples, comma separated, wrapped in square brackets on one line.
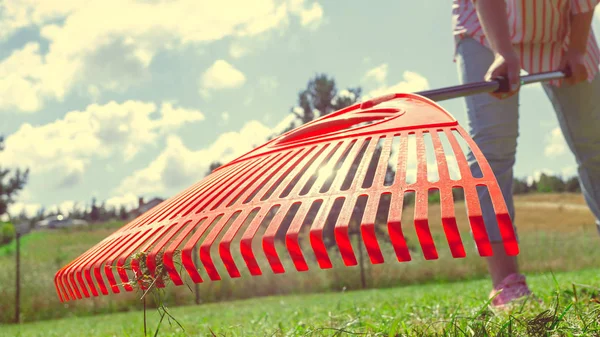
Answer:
[(95, 213), (547, 183)]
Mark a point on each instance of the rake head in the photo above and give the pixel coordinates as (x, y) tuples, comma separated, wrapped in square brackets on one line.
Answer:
[(351, 166)]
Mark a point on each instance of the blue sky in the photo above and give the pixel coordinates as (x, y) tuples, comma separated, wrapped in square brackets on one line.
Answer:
[(119, 99)]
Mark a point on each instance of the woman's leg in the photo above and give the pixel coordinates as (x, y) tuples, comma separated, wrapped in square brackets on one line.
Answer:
[(493, 125), (578, 111)]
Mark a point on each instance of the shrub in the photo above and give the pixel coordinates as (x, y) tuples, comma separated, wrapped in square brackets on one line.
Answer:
[(7, 233)]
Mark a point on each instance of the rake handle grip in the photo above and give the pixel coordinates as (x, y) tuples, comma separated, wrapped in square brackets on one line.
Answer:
[(499, 84)]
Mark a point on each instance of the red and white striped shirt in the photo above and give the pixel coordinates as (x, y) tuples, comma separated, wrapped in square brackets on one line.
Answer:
[(538, 28)]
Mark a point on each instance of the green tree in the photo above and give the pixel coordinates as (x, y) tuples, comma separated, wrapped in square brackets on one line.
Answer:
[(7, 233), (572, 185), (123, 214), (11, 183), (76, 212), (320, 98), (520, 186), (550, 183), (213, 166), (94, 212)]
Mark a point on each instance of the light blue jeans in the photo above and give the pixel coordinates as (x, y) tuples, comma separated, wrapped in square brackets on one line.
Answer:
[(493, 125)]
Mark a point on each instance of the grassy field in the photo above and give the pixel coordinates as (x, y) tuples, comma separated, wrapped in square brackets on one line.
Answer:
[(569, 308), (554, 239)]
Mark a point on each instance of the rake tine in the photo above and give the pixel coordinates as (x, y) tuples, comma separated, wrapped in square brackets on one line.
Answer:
[(316, 230), (504, 222), (341, 227), (187, 251), (268, 240), (421, 202), (208, 242), (246, 242), (224, 245), (395, 213), (367, 226), (341, 232), (316, 235), (291, 237), (447, 208), (367, 229), (471, 200)]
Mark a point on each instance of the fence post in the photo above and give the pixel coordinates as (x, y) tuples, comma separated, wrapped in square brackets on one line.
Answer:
[(18, 277), (196, 253), (363, 280)]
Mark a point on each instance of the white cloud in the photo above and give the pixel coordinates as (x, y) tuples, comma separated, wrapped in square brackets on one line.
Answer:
[(377, 74), (289, 120), (129, 200), (84, 50), (19, 79), (30, 209), (555, 143), (237, 50), (174, 118), (65, 207), (222, 75), (312, 17), (67, 146), (225, 116), (178, 166), (346, 93), (569, 171), (412, 82)]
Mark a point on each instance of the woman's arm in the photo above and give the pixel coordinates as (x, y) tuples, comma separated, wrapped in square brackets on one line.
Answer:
[(574, 60), (494, 22), (580, 30)]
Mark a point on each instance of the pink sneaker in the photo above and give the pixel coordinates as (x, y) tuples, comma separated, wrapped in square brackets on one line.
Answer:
[(513, 287)]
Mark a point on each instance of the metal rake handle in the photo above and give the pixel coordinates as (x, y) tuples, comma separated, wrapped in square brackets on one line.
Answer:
[(499, 84)]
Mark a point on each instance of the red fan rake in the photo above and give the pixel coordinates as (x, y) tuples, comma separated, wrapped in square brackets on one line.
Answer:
[(312, 179)]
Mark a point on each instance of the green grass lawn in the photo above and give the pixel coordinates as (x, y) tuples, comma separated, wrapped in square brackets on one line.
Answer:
[(456, 309)]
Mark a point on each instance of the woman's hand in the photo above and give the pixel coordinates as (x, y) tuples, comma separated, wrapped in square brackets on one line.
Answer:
[(573, 62), (506, 65)]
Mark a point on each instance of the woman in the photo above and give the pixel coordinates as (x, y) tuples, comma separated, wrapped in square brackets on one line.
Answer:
[(499, 38)]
